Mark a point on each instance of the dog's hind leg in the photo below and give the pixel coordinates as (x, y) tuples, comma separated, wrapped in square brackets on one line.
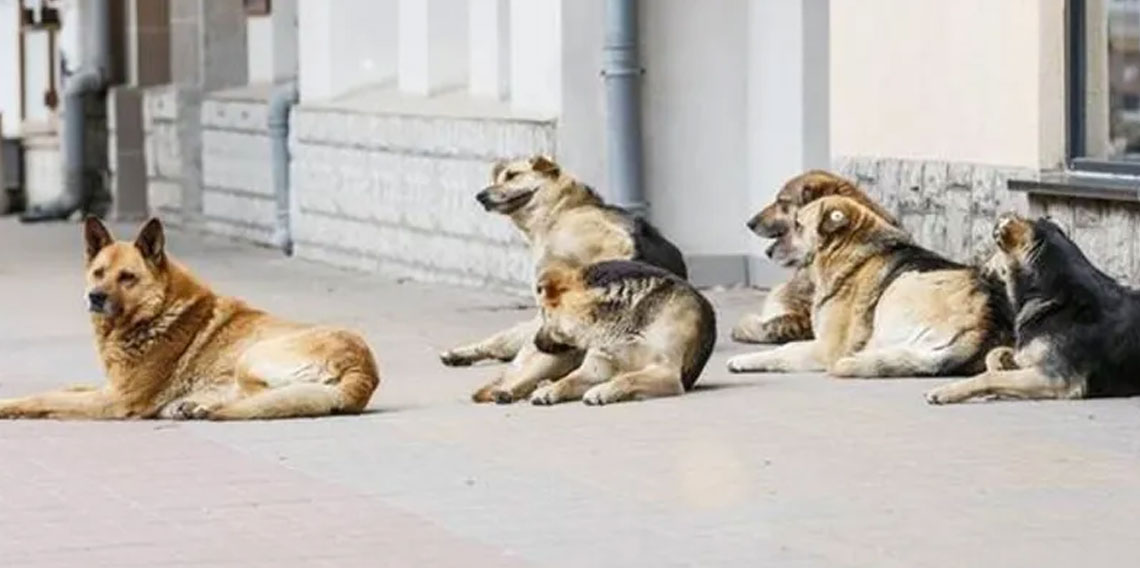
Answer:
[(889, 362), (799, 356), (653, 381), (311, 373), (503, 346), (1028, 383)]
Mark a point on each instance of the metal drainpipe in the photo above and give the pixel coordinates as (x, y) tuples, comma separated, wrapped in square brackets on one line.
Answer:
[(622, 73), (89, 79), (283, 99)]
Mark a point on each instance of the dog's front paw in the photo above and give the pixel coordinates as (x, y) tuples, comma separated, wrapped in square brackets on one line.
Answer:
[(502, 396), (453, 358), (189, 410), (940, 395), (545, 396), (605, 393), (743, 364), (849, 367), (749, 330)]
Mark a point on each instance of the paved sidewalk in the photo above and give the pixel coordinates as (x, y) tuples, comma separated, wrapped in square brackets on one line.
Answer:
[(746, 471)]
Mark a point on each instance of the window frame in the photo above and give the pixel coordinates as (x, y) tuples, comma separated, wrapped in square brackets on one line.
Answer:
[(1076, 58)]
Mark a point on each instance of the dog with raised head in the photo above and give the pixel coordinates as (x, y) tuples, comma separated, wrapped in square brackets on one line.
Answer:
[(786, 313), (172, 348), (645, 332), (564, 221), (1077, 329), (883, 306)]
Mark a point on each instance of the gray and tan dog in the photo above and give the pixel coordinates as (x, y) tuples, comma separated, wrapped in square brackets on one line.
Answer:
[(786, 313), (883, 306), (646, 333), (565, 221)]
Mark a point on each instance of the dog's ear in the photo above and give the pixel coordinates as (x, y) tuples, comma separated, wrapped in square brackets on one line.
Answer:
[(96, 236), (151, 242), (833, 219), (497, 170), (545, 166)]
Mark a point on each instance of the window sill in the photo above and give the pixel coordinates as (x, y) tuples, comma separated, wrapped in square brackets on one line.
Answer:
[(1081, 184)]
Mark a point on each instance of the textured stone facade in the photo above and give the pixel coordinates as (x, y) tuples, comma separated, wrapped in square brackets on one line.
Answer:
[(163, 153), (948, 207), (237, 184), (1105, 230), (394, 194)]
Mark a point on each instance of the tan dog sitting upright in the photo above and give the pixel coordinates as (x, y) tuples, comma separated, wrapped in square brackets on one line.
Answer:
[(173, 349), (565, 221), (646, 332), (786, 313), (883, 306)]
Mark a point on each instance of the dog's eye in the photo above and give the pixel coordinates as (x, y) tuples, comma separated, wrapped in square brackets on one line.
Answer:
[(797, 224), (98, 273), (510, 176), (127, 277)]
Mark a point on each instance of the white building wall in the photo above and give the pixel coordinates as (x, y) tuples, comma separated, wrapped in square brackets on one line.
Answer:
[(10, 68), (973, 81)]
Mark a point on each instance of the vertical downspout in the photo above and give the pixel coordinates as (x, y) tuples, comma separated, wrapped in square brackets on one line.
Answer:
[(282, 101), (621, 72), (91, 78)]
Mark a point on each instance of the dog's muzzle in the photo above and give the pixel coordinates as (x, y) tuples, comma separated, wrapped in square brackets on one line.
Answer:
[(97, 302), (484, 198)]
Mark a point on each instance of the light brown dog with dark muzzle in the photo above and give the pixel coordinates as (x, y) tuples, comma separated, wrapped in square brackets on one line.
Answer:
[(883, 306), (786, 313), (564, 221), (172, 348)]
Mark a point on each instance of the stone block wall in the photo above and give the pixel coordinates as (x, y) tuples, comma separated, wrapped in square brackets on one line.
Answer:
[(395, 194), (1105, 230), (237, 184), (947, 207), (162, 149)]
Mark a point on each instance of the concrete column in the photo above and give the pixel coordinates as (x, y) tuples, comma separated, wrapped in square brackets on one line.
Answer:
[(10, 95), (208, 52), (208, 44), (147, 63), (788, 104), (536, 55), (432, 52), (273, 43), (336, 54), (489, 50)]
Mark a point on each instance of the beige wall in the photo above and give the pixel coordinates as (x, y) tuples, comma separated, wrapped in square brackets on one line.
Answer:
[(978, 81)]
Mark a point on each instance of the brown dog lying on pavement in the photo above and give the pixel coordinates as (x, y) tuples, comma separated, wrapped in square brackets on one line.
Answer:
[(173, 349), (786, 313), (1078, 330), (883, 306)]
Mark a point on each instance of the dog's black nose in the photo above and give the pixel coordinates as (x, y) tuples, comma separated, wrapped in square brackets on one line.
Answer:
[(753, 223), (96, 301), (483, 197)]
